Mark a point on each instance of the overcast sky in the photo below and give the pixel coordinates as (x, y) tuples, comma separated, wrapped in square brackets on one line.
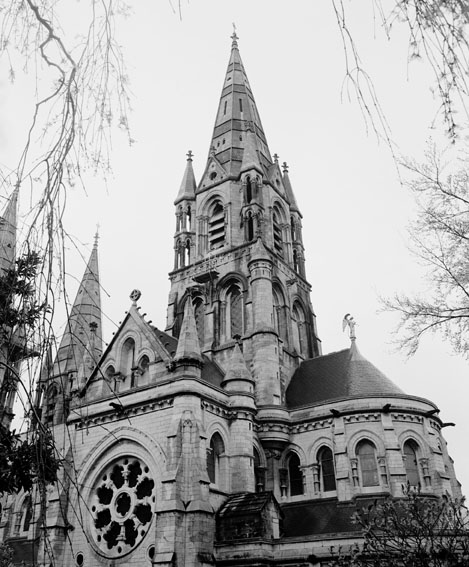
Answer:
[(355, 210)]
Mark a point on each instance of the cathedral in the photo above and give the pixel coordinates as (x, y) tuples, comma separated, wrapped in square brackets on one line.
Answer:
[(227, 438)]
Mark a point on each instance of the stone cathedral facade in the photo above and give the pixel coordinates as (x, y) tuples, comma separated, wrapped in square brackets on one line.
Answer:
[(228, 438)]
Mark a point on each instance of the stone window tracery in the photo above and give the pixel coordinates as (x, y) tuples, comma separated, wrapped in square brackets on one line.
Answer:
[(326, 465), (366, 453), (122, 503), (411, 463)]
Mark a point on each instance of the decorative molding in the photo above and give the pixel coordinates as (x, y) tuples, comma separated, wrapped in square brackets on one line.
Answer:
[(131, 411)]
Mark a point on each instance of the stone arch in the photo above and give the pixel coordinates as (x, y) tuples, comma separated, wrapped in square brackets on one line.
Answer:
[(232, 311), (280, 322), (217, 462), (300, 328)]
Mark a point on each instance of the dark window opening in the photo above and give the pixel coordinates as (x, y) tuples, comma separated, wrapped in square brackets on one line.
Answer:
[(295, 475), (249, 228), (326, 463), (224, 108), (241, 105), (248, 190)]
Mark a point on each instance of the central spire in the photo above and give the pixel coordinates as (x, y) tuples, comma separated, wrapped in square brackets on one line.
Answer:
[(237, 115)]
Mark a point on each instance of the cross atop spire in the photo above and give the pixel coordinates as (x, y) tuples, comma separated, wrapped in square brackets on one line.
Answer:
[(285, 167), (96, 236), (234, 37), (189, 155)]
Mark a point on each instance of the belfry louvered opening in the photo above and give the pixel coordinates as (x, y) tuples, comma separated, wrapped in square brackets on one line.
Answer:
[(216, 230)]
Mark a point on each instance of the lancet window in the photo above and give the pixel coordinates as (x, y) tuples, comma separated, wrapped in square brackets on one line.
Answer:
[(277, 231), (295, 475), (326, 467), (366, 453), (214, 453), (411, 463)]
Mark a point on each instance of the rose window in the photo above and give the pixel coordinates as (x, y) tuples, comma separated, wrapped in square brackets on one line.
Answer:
[(122, 503)]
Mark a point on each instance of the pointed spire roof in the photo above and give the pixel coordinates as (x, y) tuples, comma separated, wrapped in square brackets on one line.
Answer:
[(289, 189), (188, 345), (237, 369), (85, 319), (237, 111), (8, 232), (188, 184)]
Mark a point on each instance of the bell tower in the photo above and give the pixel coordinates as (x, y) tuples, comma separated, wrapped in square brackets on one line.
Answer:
[(239, 255)]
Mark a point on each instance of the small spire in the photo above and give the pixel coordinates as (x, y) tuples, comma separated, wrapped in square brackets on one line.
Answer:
[(85, 311), (188, 184), (8, 232), (188, 348), (289, 189), (237, 370)]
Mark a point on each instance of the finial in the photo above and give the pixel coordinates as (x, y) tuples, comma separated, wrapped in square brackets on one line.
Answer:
[(349, 322), (234, 37), (285, 167), (189, 155), (276, 157), (212, 150), (135, 295), (96, 236)]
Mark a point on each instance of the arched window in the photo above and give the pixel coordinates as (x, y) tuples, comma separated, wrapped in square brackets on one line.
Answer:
[(51, 403), (295, 475), (411, 463), (366, 453), (248, 190), (179, 221), (235, 315), (177, 255), (217, 449), (296, 265), (299, 330), (109, 373), (141, 374), (128, 357), (293, 229), (259, 472), (216, 226), (188, 218), (279, 313), (26, 514), (187, 253), (326, 467), (249, 227), (277, 231), (199, 313)]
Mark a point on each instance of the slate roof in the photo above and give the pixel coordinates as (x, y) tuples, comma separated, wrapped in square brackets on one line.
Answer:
[(342, 374), (169, 342), (211, 372), (245, 503)]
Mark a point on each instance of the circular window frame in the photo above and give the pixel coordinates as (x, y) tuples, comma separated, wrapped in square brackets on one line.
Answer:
[(117, 530)]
